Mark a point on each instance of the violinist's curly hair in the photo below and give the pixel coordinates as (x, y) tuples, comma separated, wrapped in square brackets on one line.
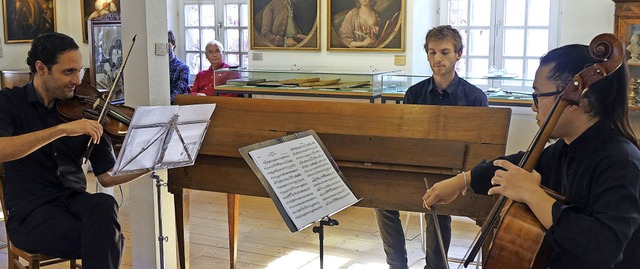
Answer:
[(607, 98), (47, 47)]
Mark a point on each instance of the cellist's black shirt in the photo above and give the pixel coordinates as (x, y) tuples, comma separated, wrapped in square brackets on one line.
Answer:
[(53, 169), (599, 174)]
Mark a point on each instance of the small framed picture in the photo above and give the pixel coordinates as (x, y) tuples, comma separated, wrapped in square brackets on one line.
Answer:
[(98, 10), (105, 50)]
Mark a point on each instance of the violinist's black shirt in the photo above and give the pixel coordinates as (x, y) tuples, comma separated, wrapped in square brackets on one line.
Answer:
[(599, 174), (55, 168)]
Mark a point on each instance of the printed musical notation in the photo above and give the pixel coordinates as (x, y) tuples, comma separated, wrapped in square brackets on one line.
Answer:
[(304, 179)]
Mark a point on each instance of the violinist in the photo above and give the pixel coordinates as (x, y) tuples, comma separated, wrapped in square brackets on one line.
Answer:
[(594, 163), (50, 211)]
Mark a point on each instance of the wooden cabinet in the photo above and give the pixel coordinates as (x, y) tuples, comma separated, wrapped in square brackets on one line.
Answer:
[(627, 27), (10, 78)]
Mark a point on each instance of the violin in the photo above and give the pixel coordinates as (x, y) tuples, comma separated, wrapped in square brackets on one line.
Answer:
[(87, 102), (519, 237)]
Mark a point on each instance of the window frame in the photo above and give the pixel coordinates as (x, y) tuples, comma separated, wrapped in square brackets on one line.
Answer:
[(497, 32), (220, 32)]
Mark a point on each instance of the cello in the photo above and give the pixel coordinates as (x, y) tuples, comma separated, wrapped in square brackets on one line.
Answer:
[(519, 236)]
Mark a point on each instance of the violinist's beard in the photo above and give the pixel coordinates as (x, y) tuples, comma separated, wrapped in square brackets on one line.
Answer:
[(57, 91), (64, 94)]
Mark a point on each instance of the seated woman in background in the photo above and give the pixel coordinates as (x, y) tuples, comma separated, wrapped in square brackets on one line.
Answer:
[(204, 83)]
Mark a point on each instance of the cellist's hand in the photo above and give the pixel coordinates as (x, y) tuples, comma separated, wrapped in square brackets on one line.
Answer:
[(443, 192), (515, 182), (82, 127), (522, 186)]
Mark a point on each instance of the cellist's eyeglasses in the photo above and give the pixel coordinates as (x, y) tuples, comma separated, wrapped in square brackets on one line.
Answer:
[(536, 95)]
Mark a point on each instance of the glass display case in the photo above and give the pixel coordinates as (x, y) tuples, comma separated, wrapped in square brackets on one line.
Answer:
[(501, 90), (335, 84)]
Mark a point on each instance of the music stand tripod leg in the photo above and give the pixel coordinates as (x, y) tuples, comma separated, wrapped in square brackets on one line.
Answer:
[(161, 238)]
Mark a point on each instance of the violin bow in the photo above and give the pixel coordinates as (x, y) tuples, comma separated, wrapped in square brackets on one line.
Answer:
[(103, 111)]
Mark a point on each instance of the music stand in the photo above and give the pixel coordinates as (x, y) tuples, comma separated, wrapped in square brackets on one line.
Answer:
[(302, 179), (163, 137)]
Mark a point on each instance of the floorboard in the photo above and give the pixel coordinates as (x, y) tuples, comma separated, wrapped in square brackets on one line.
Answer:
[(266, 242)]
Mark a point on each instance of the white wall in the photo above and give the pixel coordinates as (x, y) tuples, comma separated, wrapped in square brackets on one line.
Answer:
[(421, 15), (580, 22)]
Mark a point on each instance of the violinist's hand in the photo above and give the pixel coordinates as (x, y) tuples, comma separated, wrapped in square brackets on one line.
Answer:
[(83, 127), (443, 192), (516, 183)]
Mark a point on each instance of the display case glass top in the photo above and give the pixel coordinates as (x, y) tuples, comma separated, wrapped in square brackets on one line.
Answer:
[(340, 82), (500, 90)]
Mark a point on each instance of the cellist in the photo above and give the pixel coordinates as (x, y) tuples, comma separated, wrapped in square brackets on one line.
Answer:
[(594, 161)]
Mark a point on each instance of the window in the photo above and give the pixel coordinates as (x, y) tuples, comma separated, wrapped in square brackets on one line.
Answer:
[(224, 20), (508, 35)]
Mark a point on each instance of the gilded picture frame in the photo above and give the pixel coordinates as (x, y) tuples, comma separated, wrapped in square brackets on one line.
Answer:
[(26, 19), (106, 10), (374, 25), (271, 29)]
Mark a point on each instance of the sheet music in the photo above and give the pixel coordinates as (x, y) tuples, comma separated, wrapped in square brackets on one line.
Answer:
[(304, 179), (161, 137), (148, 115)]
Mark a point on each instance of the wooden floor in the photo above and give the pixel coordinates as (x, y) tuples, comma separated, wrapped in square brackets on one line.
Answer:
[(266, 242)]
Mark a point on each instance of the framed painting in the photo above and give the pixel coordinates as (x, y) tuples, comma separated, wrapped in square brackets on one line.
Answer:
[(271, 27), (26, 19), (106, 56), (366, 25), (102, 10)]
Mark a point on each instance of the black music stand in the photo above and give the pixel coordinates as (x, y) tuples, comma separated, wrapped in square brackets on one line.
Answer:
[(163, 137), (302, 179)]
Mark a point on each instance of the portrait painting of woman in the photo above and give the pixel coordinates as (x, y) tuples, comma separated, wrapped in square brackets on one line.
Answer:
[(366, 25)]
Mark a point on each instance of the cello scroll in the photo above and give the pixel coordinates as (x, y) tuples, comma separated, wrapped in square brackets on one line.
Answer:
[(605, 47)]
